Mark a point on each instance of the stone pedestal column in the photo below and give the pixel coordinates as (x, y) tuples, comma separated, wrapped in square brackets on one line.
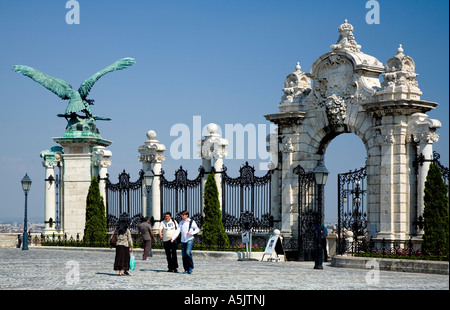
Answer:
[(77, 176), (151, 157), (50, 162)]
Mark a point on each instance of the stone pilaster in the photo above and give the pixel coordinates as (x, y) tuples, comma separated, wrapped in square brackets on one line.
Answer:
[(289, 213)]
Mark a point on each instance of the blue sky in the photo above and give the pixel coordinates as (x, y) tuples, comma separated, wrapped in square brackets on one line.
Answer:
[(221, 61)]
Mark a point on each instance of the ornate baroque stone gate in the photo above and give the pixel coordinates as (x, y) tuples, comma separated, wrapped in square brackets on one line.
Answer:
[(342, 93)]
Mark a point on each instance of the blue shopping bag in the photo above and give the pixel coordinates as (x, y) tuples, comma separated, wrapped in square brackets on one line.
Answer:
[(132, 261)]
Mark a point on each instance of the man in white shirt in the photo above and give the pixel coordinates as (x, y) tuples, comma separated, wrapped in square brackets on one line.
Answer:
[(188, 228), (166, 231)]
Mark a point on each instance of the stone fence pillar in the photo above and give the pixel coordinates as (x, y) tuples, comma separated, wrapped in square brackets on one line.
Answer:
[(423, 132), (151, 157), (212, 152), (50, 162), (100, 164)]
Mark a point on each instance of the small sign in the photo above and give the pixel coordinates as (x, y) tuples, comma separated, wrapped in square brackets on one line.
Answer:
[(271, 245), (245, 237), (274, 243)]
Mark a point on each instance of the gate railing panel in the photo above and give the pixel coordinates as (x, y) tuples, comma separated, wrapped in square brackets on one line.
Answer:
[(246, 201), (352, 214), (182, 194), (124, 199), (309, 213)]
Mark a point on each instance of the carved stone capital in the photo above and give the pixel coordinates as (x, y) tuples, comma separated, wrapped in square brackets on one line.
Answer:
[(152, 150), (152, 158), (213, 146), (51, 157), (100, 157), (422, 129)]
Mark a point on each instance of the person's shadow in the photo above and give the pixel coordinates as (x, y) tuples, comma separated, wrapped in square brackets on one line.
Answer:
[(154, 270), (143, 269), (106, 274)]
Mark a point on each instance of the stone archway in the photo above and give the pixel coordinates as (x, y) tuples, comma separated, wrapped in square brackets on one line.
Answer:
[(343, 93)]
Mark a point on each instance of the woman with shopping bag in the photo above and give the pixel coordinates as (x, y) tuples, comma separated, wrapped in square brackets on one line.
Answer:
[(124, 245)]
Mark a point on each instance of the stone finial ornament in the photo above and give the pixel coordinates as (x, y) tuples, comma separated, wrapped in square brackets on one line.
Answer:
[(346, 40), (297, 85), (399, 78)]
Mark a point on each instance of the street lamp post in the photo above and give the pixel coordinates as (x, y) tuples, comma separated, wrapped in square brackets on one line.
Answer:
[(26, 185), (149, 202), (320, 174)]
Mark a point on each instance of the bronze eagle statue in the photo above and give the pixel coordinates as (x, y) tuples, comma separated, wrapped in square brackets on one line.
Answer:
[(78, 101)]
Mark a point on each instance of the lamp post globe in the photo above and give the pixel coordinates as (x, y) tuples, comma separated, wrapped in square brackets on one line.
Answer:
[(320, 173), (26, 185)]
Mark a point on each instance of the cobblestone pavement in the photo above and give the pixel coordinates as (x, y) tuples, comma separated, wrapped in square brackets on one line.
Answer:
[(91, 269)]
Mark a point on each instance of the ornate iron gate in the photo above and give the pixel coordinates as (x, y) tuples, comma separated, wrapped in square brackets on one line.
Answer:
[(352, 215), (124, 199), (309, 213), (182, 194), (246, 201)]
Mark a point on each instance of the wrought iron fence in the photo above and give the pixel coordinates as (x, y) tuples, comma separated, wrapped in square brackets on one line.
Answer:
[(246, 201), (384, 249), (124, 199), (182, 194)]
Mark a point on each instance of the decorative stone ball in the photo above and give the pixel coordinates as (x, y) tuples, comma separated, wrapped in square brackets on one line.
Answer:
[(212, 128), (151, 135)]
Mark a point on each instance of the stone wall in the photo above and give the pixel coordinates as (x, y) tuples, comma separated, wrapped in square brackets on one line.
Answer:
[(8, 240)]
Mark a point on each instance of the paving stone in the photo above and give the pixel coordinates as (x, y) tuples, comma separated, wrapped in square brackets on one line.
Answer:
[(92, 269)]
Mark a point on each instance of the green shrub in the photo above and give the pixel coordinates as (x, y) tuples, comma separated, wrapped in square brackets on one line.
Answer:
[(213, 232), (95, 230), (436, 226)]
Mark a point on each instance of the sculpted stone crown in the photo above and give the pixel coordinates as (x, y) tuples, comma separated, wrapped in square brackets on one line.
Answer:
[(345, 27), (346, 40)]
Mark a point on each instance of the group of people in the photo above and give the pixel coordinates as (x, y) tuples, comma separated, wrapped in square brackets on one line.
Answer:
[(169, 231)]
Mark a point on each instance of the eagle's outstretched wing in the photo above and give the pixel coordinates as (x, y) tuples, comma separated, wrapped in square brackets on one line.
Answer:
[(121, 64), (59, 87)]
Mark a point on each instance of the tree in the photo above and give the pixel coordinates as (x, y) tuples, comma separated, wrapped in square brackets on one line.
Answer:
[(213, 231), (436, 226), (95, 229)]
